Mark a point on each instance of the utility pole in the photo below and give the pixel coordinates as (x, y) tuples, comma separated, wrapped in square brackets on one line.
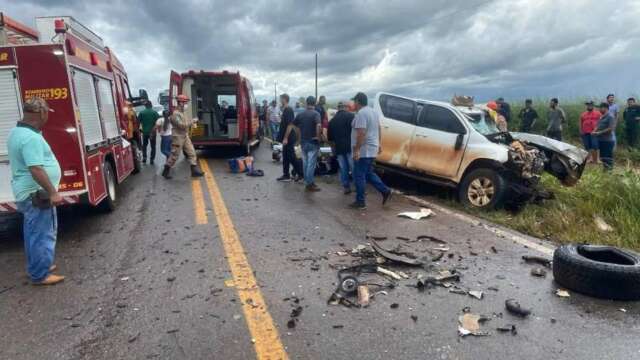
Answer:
[(316, 76)]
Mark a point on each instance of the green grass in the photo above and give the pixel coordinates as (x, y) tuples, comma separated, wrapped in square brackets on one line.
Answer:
[(569, 218)]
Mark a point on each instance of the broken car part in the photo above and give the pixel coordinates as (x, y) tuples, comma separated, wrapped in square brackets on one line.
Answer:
[(514, 307), (417, 215), (393, 256), (602, 271), (537, 259), (508, 328), (539, 272), (470, 325)]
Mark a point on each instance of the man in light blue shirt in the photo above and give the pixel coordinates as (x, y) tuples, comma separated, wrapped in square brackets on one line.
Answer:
[(35, 176), (614, 109), (365, 140)]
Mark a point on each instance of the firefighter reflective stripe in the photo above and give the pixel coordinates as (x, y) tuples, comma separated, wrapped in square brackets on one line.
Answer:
[(108, 108), (88, 107), (10, 108)]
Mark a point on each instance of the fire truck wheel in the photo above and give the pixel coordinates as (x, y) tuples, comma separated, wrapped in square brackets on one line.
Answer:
[(108, 204), (137, 165)]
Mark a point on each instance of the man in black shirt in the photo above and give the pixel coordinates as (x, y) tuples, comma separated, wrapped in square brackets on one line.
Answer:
[(339, 134), (528, 116), (506, 108), (308, 129), (288, 151)]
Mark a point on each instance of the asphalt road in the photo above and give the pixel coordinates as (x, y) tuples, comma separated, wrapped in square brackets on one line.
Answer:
[(169, 275)]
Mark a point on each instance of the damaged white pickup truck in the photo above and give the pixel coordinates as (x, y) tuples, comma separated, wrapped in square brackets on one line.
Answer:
[(461, 147)]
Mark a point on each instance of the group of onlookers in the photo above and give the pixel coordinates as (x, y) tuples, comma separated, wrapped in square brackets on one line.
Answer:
[(597, 125), (355, 139)]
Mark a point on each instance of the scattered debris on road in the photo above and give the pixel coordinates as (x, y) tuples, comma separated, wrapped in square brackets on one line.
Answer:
[(404, 258), (563, 293), (470, 325), (508, 328), (417, 215), (537, 259), (539, 272), (514, 307)]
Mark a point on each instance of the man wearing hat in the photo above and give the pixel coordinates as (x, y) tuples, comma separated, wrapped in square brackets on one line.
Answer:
[(588, 122), (35, 176), (180, 140), (365, 142)]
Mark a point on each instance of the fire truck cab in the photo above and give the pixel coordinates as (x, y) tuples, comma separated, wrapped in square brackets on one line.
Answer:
[(68, 65)]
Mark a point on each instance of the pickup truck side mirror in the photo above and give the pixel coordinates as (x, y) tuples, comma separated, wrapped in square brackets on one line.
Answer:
[(459, 140), (142, 93)]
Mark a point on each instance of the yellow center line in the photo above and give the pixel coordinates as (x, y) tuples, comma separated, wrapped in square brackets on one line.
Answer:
[(264, 334), (198, 202)]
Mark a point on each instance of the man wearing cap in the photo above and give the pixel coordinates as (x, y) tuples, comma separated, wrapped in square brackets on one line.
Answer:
[(35, 176), (631, 118), (605, 131), (339, 135), (180, 140), (588, 122), (365, 142)]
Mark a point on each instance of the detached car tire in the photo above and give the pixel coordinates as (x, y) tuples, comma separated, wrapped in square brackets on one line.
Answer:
[(600, 271), (482, 189)]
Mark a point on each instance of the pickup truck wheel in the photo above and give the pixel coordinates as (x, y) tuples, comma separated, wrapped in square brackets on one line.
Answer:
[(601, 271), (482, 189), (108, 204)]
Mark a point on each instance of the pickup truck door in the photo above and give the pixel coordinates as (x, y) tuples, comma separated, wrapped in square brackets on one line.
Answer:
[(398, 124), (175, 89), (438, 143)]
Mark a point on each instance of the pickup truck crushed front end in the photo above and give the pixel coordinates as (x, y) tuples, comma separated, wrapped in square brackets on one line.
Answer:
[(530, 155)]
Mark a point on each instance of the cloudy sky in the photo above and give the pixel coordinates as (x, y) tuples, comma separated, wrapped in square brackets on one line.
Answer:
[(429, 49)]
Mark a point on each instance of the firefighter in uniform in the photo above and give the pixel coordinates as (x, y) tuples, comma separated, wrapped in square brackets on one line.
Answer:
[(180, 140)]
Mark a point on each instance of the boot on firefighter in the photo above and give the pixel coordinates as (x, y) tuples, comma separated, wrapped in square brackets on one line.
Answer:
[(180, 141)]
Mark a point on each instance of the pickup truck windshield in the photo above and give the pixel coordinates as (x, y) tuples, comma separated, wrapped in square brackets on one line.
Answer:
[(482, 123)]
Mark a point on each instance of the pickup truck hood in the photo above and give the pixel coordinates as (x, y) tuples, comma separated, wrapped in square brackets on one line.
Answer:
[(566, 162), (572, 152)]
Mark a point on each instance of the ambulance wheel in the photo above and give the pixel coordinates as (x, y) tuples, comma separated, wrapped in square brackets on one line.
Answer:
[(137, 165), (108, 204)]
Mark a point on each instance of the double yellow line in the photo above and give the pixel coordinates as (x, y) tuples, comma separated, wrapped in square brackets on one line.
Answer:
[(263, 332)]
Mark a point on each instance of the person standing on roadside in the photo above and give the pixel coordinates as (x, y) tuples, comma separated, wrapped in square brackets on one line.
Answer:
[(180, 140), (288, 144), (556, 118), (262, 116), (309, 132), (614, 109), (631, 118), (605, 131), (147, 119), (506, 109), (588, 122), (321, 108), (35, 176), (339, 134), (163, 126), (528, 116), (365, 141), (273, 114)]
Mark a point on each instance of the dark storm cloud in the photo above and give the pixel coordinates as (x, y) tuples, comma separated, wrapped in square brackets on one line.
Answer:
[(421, 48)]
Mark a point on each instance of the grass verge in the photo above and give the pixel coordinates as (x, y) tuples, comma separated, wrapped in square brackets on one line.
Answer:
[(570, 217)]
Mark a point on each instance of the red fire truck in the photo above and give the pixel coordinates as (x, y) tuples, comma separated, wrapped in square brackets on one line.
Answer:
[(224, 104), (68, 65)]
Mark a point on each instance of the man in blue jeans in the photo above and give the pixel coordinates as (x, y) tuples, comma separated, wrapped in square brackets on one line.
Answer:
[(606, 134), (308, 128), (339, 134), (35, 176), (365, 138)]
